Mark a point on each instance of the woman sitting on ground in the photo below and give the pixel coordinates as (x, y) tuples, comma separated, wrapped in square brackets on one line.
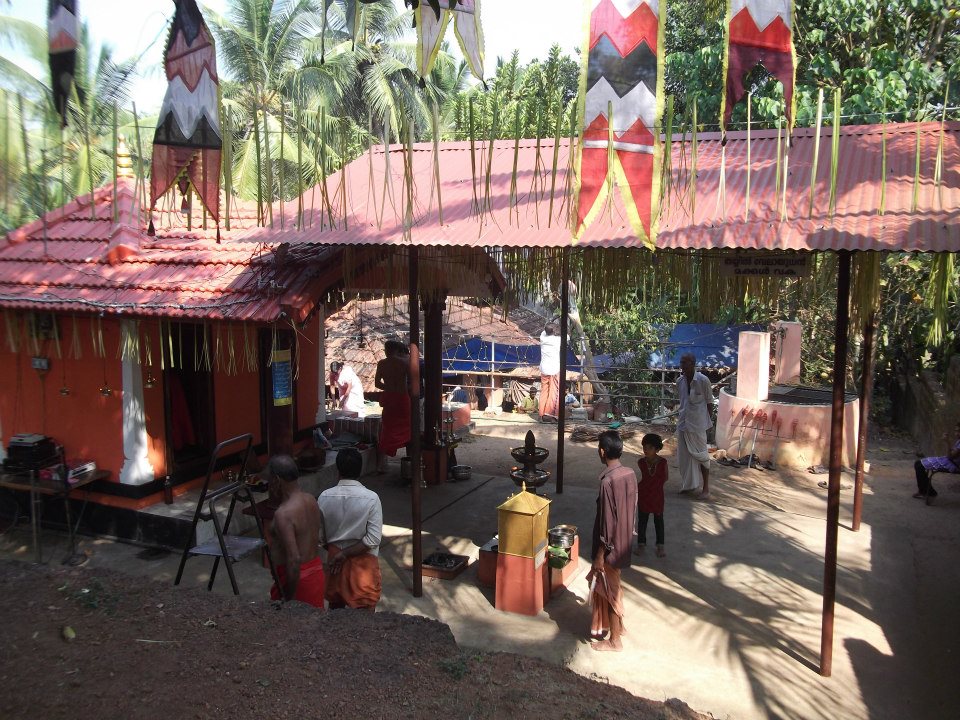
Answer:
[(945, 463)]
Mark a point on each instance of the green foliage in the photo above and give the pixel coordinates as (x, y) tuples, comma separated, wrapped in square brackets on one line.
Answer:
[(894, 54), (541, 91)]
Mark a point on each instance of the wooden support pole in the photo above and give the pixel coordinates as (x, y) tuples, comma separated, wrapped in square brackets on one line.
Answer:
[(866, 394), (433, 369), (564, 344), (414, 449), (836, 446)]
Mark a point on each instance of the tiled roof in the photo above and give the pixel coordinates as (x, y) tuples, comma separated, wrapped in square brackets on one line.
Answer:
[(67, 261), (707, 223)]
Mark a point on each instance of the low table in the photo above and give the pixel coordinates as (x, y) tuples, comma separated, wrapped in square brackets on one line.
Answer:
[(30, 482)]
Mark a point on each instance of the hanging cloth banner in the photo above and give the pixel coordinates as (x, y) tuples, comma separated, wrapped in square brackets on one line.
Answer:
[(62, 32), (622, 90), (188, 138), (431, 18), (758, 32)]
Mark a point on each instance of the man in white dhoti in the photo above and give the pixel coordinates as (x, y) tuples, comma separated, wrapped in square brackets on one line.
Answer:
[(696, 401)]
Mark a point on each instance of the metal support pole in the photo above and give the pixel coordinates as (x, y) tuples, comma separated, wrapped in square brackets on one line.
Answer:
[(562, 410), (414, 449), (866, 395), (836, 446)]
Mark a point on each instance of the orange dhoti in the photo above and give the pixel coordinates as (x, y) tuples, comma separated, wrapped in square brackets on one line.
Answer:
[(550, 395), (310, 589), (357, 585), (606, 597), (395, 422)]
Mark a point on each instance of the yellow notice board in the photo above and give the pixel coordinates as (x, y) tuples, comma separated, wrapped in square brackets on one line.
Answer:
[(282, 378)]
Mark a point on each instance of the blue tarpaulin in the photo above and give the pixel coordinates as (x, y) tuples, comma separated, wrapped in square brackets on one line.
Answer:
[(481, 356), (714, 346)]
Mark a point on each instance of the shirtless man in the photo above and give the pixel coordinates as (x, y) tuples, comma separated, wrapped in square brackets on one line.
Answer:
[(296, 531), (392, 379)]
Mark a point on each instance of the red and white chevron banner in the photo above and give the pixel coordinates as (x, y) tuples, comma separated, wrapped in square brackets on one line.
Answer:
[(622, 90), (188, 141), (759, 32)]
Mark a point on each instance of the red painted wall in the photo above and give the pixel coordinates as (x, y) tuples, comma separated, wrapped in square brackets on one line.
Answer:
[(237, 400), (86, 422), (90, 425)]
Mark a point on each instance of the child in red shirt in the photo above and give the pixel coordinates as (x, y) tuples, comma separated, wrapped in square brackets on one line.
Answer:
[(653, 476)]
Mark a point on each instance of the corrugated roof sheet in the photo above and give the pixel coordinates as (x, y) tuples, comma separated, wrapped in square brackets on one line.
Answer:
[(68, 262), (375, 209)]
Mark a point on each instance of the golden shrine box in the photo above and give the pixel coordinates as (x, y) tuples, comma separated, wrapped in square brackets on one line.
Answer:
[(522, 522)]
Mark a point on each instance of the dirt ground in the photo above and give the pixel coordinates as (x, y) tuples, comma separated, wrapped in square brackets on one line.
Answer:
[(82, 644), (729, 621)]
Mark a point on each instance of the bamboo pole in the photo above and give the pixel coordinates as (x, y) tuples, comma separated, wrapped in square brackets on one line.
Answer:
[(256, 141), (26, 157), (435, 121), (915, 199), (938, 164), (834, 152), (283, 112), (227, 169), (816, 153), (116, 213), (6, 152), (297, 122), (516, 157), (746, 200), (882, 207), (693, 161), (473, 159), (556, 159), (269, 165)]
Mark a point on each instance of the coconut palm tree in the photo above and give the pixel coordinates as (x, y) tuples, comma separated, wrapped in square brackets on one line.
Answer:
[(303, 94), (43, 167)]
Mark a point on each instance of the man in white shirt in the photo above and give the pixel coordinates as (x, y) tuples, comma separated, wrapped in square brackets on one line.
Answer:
[(696, 399), (347, 383), (351, 531), (550, 373)]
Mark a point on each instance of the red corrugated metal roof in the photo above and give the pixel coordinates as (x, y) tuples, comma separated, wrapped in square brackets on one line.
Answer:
[(933, 226), (82, 266)]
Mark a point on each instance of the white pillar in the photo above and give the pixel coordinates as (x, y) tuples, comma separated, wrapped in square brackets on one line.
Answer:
[(136, 469), (753, 366)]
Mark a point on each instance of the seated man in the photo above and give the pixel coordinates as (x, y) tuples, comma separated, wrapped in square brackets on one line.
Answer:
[(945, 463), (296, 527), (529, 403), (351, 531)]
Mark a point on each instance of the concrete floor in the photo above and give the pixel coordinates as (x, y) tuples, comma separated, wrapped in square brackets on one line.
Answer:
[(729, 621)]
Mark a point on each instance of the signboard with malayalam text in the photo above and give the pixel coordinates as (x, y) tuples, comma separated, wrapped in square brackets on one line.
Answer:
[(765, 264)]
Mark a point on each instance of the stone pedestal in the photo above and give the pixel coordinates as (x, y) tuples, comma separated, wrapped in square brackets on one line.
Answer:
[(522, 583), (562, 578)]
